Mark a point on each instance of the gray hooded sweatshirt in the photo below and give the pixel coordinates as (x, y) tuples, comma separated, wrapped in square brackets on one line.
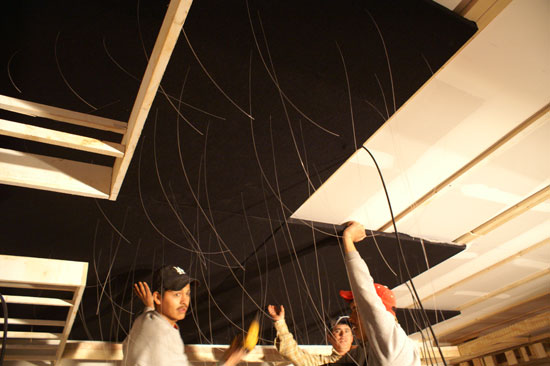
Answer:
[(153, 341), (388, 344)]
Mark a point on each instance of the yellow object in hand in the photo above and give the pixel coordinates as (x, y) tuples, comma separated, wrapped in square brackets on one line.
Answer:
[(252, 335)]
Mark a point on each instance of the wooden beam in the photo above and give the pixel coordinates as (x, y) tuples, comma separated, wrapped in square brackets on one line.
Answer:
[(536, 305), (483, 11), (42, 322), (511, 357), (524, 355), (33, 300), (42, 273), (490, 360), (196, 353), (59, 138), (487, 269), (164, 45), (93, 351), (77, 297), (538, 351), (34, 286), (536, 117), (506, 288), (61, 115), (509, 214), (31, 335), (507, 337), (27, 357), (54, 174)]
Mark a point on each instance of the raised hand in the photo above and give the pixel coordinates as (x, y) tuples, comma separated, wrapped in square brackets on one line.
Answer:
[(354, 231), (141, 289), (276, 312)]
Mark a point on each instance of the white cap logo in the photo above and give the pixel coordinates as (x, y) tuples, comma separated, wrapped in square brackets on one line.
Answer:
[(179, 270)]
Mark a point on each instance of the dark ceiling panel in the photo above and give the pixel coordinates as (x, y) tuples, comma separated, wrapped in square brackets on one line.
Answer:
[(231, 188)]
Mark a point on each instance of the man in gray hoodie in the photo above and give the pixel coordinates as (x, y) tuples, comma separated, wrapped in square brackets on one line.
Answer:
[(155, 339), (385, 343)]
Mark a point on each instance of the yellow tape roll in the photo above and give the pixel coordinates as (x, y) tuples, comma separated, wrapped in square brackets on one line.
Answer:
[(252, 335)]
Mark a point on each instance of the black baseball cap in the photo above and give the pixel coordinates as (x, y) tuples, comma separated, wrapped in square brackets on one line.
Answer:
[(172, 278)]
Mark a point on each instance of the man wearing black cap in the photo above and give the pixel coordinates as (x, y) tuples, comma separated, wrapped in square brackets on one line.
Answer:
[(154, 339)]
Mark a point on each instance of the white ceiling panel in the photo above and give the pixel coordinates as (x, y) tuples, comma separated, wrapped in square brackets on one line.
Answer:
[(514, 237), (490, 307), (505, 178), (471, 146), (493, 84)]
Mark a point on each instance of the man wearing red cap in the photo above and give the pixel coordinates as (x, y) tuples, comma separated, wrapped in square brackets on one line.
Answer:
[(384, 341)]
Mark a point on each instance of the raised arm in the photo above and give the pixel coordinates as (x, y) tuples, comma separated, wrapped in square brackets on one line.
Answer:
[(141, 289), (288, 347), (386, 339)]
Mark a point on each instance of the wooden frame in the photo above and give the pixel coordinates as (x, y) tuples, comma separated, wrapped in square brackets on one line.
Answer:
[(67, 176), (41, 274)]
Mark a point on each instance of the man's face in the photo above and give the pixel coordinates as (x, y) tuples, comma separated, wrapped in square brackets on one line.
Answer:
[(173, 305), (341, 338), (355, 319)]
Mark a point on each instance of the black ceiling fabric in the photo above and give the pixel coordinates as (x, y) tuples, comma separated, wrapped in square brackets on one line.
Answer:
[(210, 189)]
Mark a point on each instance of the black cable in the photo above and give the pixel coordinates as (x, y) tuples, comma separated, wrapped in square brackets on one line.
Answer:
[(5, 335), (422, 312)]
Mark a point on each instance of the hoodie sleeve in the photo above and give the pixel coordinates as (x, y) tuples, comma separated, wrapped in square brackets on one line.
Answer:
[(288, 347)]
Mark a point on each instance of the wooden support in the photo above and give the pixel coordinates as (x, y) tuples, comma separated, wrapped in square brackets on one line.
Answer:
[(504, 289), (536, 117), (502, 218), (27, 357), (42, 322), (36, 274), (538, 351), (54, 174), (490, 361), (513, 335), (477, 362), (61, 115), (488, 269), (77, 297), (58, 138), (33, 300), (482, 11), (93, 351), (524, 354), (40, 272), (511, 357), (164, 45), (31, 335)]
